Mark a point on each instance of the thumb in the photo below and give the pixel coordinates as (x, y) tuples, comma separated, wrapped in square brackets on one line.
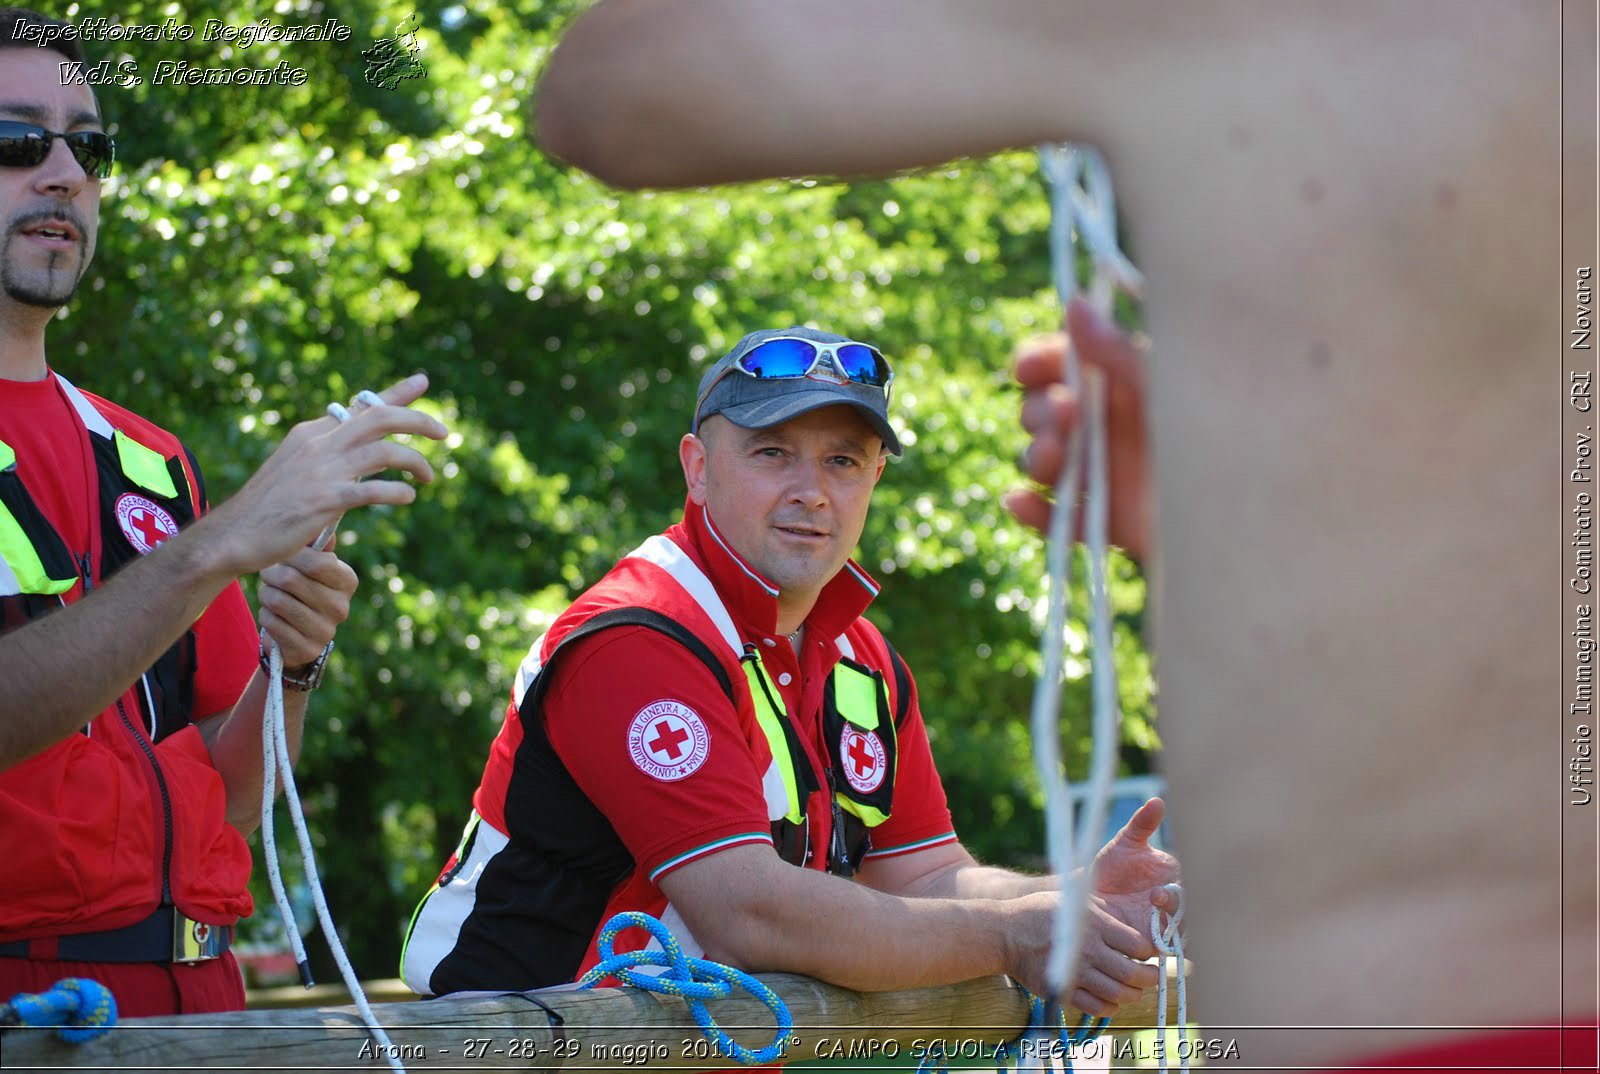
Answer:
[(1144, 822)]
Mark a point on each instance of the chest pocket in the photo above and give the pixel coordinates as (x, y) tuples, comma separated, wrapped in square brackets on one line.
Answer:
[(134, 477), (861, 741), (861, 746), (34, 560), (37, 568)]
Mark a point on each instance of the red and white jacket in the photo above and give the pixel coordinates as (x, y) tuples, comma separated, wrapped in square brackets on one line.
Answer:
[(106, 825), (637, 748)]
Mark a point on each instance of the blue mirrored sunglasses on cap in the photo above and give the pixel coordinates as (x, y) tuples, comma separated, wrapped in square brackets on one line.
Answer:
[(788, 357)]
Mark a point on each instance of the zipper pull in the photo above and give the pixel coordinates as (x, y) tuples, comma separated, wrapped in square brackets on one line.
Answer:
[(83, 571)]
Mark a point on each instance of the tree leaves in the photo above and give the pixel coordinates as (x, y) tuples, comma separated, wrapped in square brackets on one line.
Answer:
[(265, 250)]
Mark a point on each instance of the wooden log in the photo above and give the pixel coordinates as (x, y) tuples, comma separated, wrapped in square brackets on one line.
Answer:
[(602, 1029), (327, 994)]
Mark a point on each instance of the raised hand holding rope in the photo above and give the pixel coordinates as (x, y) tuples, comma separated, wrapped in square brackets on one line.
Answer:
[(1083, 220), (1082, 214), (276, 761)]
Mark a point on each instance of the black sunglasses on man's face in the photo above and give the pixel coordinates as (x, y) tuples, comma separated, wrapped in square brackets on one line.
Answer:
[(26, 145)]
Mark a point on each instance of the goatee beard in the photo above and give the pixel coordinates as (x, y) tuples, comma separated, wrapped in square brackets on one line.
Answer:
[(54, 288), (49, 297)]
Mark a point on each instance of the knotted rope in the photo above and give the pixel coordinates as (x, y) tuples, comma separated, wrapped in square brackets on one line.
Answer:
[(275, 762), (1082, 215), (694, 979), (1169, 944), (78, 1008)]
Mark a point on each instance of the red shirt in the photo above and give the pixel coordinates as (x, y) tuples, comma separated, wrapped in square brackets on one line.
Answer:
[(638, 760), (683, 811), (84, 825), (612, 677), (54, 461), (1518, 1051)]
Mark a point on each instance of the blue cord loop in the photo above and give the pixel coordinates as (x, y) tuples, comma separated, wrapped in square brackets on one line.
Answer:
[(934, 1061), (694, 979), (76, 1007)]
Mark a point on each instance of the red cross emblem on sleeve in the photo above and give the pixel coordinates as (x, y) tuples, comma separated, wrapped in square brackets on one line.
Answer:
[(668, 740), (865, 761), (144, 524)]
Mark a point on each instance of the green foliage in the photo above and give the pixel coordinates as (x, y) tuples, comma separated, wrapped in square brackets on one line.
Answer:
[(264, 250)]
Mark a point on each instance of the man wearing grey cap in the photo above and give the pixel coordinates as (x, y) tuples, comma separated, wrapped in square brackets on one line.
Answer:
[(713, 734)]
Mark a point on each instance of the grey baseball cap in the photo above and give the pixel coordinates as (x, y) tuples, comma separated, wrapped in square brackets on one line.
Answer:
[(752, 403)]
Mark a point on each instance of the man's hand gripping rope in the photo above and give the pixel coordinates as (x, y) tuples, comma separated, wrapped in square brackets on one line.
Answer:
[(274, 737), (1083, 216)]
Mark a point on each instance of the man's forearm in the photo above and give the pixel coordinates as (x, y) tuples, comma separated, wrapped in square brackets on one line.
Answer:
[(765, 915), (64, 669), (869, 941), (986, 882), (234, 739), (648, 94), (948, 871)]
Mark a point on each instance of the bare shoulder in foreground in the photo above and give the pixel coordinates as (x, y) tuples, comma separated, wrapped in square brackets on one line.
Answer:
[(1345, 217)]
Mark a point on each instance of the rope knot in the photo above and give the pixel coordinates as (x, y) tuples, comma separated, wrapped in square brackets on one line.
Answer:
[(694, 979), (1168, 943), (1167, 940), (78, 1008)]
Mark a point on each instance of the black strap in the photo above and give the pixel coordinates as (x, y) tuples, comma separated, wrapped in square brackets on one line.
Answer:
[(558, 1021), (47, 542), (179, 479), (149, 940), (616, 617), (902, 686), (799, 759)]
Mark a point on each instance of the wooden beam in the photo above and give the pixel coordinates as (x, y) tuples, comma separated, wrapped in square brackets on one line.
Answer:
[(616, 1029), (326, 994)]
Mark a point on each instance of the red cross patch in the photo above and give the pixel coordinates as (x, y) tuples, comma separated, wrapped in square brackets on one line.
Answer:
[(143, 523), (865, 761), (668, 740)]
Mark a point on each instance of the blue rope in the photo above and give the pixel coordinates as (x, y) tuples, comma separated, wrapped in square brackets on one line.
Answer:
[(78, 1008), (694, 979), (934, 1061)]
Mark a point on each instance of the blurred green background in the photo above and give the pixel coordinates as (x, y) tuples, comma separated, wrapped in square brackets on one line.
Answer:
[(267, 249)]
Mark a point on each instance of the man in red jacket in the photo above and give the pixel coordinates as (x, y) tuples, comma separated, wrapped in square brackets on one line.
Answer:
[(715, 734), (130, 719)]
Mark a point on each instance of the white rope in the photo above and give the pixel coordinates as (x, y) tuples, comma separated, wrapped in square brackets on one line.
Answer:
[(275, 759), (272, 728), (1169, 942), (1082, 213)]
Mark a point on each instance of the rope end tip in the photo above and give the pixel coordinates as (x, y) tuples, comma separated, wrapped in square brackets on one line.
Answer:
[(306, 979)]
